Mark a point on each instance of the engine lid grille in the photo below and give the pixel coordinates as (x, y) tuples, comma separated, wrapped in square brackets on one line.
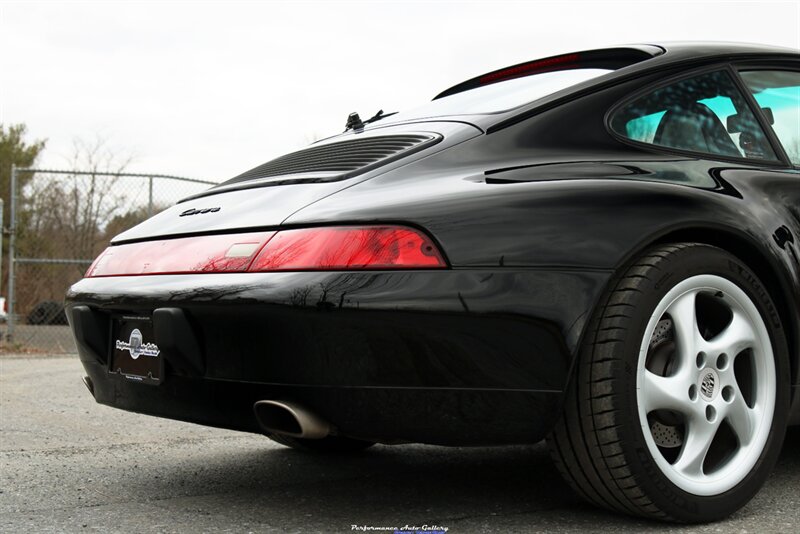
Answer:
[(340, 160)]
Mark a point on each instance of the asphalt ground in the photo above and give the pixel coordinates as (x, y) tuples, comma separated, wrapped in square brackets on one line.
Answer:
[(70, 465)]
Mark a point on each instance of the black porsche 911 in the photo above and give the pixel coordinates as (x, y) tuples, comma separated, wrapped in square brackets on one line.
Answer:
[(598, 248)]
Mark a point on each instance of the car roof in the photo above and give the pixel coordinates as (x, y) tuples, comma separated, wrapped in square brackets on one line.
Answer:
[(680, 52), (624, 59), (634, 60), (701, 49), (659, 56)]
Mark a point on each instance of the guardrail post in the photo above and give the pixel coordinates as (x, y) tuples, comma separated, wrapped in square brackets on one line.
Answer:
[(150, 198), (12, 230), (2, 230)]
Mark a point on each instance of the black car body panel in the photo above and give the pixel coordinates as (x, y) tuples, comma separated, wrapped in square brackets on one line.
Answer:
[(536, 209), (411, 340), (264, 204)]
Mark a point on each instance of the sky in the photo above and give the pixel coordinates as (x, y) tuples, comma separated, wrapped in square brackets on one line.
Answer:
[(210, 89)]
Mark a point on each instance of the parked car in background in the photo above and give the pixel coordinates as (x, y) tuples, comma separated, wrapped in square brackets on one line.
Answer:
[(47, 312), (597, 248)]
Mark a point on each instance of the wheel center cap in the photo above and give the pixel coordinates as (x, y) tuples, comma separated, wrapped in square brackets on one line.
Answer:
[(709, 384)]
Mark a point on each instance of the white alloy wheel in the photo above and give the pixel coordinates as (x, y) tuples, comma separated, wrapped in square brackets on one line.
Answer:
[(706, 409), (680, 399)]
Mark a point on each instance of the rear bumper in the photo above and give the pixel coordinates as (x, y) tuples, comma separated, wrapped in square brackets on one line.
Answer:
[(452, 357)]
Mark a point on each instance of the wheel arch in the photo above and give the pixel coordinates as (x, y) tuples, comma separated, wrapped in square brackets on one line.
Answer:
[(755, 258)]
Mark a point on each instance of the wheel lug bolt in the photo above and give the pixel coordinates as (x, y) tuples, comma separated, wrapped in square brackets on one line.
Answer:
[(711, 413), (727, 393)]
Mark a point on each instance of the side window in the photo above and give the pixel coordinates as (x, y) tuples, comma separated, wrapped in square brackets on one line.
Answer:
[(702, 114), (778, 94)]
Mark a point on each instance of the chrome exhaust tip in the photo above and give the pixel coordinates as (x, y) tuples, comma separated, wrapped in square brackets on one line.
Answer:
[(290, 419)]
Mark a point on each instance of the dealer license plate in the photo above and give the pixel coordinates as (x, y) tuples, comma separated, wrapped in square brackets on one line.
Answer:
[(134, 353)]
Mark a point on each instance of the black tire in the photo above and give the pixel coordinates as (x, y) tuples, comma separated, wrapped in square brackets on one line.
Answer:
[(329, 444), (599, 444)]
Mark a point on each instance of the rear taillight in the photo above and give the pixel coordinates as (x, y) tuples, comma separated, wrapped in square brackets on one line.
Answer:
[(306, 249), (343, 248), (209, 254)]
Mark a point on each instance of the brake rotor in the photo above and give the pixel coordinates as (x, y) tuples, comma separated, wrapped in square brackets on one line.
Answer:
[(666, 436), (662, 333), (665, 433)]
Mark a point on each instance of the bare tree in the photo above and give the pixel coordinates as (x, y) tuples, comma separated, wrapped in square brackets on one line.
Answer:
[(67, 214)]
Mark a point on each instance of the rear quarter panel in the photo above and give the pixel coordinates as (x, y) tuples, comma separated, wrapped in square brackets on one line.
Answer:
[(596, 220)]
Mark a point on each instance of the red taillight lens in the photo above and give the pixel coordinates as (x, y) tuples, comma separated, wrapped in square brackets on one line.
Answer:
[(209, 254), (343, 248), (307, 249)]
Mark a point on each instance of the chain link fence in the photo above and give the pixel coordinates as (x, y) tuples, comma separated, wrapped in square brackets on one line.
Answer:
[(59, 222)]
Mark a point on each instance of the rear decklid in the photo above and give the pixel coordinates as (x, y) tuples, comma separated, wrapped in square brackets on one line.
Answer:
[(267, 195)]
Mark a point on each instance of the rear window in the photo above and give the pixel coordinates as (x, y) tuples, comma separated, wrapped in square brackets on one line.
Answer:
[(509, 88), (506, 95)]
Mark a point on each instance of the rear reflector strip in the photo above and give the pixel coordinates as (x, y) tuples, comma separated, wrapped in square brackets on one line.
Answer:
[(204, 254), (306, 249)]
